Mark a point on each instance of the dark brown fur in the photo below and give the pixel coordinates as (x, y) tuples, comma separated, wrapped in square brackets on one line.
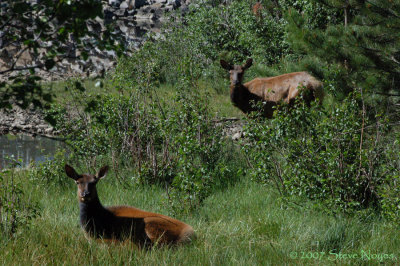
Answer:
[(124, 222), (270, 90)]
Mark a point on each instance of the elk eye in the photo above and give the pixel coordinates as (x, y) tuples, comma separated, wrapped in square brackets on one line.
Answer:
[(77, 182)]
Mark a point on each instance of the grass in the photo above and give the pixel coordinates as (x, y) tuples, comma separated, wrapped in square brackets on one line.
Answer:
[(218, 92), (220, 103), (241, 225), (244, 224)]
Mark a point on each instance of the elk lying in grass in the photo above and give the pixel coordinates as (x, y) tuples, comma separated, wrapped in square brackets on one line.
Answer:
[(124, 222), (270, 90)]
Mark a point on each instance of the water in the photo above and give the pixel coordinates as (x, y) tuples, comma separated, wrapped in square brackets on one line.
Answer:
[(27, 149)]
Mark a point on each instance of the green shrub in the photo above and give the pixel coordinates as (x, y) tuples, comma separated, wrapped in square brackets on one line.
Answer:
[(51, 171), (390, 191), (236, 33), (16, 208), (208, 32), (337, 158), (171, 142), (202, 165)]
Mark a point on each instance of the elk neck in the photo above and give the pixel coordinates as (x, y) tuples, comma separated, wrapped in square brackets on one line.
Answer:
[(237, 92), (241, 97), (93, 216)]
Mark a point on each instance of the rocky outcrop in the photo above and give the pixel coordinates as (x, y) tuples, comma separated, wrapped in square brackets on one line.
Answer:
[(132, 19), (30, 121)]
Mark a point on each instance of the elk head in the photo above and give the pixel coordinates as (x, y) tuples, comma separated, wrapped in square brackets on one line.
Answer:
[(236, 72), (86, 183)]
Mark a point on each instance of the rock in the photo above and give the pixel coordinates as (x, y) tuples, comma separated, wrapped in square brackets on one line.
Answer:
[(237, 136), (3, 65), (114, 3), (27, 120), (27, 127), (134, 19), (130, 13), (120, 12), (138, 3), (143, 15), (123, 28), (76, 68), (49, 130), (14, 125), (124, 5), (174, 3)]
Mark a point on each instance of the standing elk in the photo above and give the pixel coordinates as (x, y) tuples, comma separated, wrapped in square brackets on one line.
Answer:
[(119, 223), (270, 90)]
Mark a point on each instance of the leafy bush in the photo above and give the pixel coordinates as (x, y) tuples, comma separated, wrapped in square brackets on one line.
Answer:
[(201, 162), (317, 15), (16, 209), (338, 157), (235, 32), (168, 141), (390, 191), (208, 32), (50, 171)]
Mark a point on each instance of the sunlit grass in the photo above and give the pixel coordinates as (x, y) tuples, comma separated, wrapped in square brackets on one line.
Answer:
[(245, 224), (241, 225), (65, 94)]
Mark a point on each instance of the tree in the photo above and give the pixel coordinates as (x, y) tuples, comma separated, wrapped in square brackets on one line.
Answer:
[(46, 32), (362, 51)]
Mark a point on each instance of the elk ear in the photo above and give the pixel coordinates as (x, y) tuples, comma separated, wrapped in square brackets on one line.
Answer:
[(225, 65), (70, 171), (102, 172), (248, 64)]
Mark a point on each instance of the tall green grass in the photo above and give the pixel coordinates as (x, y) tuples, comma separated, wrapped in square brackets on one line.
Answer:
[(242, 225)]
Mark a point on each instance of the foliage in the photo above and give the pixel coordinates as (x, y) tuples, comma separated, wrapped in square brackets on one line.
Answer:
[(210, 31), (337, 158), (315, 13), (49, 31), (200, 158), (233, 31), (168, 141), (329, 156), (17, 210), (229, 30), (51, 171), (390, 192), (361, 52)]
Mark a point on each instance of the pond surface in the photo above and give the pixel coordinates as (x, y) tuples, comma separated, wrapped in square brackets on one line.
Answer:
[(26, 148)]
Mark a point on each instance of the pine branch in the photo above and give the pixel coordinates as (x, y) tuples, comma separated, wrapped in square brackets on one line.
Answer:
[(385, 12)]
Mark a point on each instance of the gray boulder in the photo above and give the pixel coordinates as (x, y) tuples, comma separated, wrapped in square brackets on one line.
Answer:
[(138, 3)]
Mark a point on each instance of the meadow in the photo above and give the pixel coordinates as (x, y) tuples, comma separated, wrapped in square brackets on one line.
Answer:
[(240, 225), (241, 222), (316, 184)]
